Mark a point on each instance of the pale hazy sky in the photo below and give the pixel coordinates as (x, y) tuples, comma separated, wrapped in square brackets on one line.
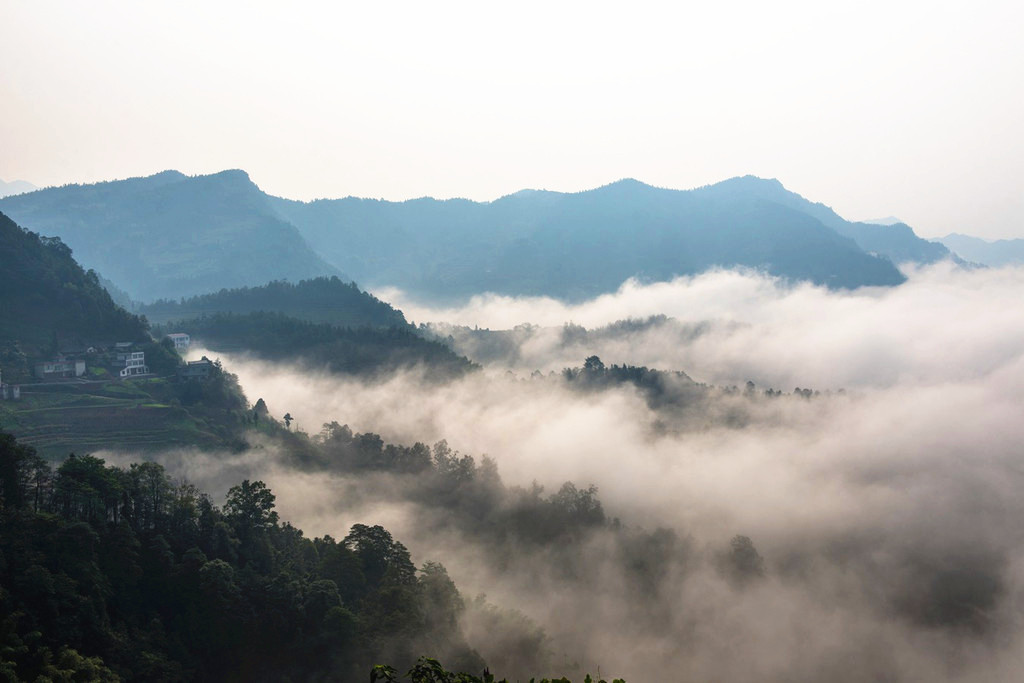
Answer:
[(913, 109)]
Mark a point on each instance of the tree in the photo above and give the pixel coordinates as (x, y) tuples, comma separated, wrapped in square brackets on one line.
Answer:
[(380, 555), (593, 364), (288, 421), (250, 506), (20, 469), (743, 561)]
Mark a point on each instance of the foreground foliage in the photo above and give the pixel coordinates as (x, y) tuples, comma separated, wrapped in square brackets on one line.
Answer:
[(429, 670), (109, 572)]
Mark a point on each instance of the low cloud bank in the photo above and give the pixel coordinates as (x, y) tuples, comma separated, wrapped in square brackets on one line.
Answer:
[(944, 324), (887, 517)]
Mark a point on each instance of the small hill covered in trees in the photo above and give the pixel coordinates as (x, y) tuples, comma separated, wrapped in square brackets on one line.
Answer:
[(319, 300), (354, 351)]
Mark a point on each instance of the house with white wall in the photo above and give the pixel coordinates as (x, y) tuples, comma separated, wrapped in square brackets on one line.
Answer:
[(134, 364), (181, 341)]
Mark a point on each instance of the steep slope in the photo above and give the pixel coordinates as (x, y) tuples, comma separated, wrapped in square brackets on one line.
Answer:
[(321, 300), (45, 295), (577, 245), (996, 253), (169, 235), (49, 304)]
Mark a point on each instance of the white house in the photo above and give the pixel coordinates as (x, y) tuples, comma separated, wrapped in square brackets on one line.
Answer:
[(134, 364), (59, 367), (181, 341)]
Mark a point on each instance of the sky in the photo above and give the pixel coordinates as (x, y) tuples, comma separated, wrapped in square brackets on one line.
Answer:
[(908, 109)]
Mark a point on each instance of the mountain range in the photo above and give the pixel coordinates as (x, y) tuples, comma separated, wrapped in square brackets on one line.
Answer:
[(170, 235), (580, 245)]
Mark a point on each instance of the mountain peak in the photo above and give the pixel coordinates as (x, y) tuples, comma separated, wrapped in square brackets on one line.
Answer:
[(752, 183), (628, 183), (231, 180), (625, 186), (232, 174), (888, 220)]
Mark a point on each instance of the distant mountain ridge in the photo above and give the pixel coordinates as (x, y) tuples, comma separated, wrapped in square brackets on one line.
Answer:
[(580, 245), (170, 235), (885, 220), (990, 253), (894, 240)]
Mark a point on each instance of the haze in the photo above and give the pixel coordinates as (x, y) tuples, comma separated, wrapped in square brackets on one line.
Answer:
[(885, 514), (876, 109)]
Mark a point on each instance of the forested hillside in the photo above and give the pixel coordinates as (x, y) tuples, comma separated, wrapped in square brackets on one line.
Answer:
[(320, 300), (46, 297)]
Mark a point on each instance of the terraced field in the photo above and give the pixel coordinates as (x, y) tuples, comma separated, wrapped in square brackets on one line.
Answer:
[(84, 417)]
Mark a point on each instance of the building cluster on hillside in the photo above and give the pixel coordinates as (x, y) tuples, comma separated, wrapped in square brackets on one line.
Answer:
[(123, 359), (75, 360)]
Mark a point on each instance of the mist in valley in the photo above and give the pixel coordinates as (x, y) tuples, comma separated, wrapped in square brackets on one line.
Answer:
[(868, 531), (527, 344)]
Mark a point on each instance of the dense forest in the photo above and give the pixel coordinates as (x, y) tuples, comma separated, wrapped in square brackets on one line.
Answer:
[(356, 351), (319, 300), (109, 571), (112, 573)]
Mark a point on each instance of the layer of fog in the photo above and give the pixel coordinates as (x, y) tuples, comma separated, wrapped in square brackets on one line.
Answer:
[(870, 508), (730, 327)]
